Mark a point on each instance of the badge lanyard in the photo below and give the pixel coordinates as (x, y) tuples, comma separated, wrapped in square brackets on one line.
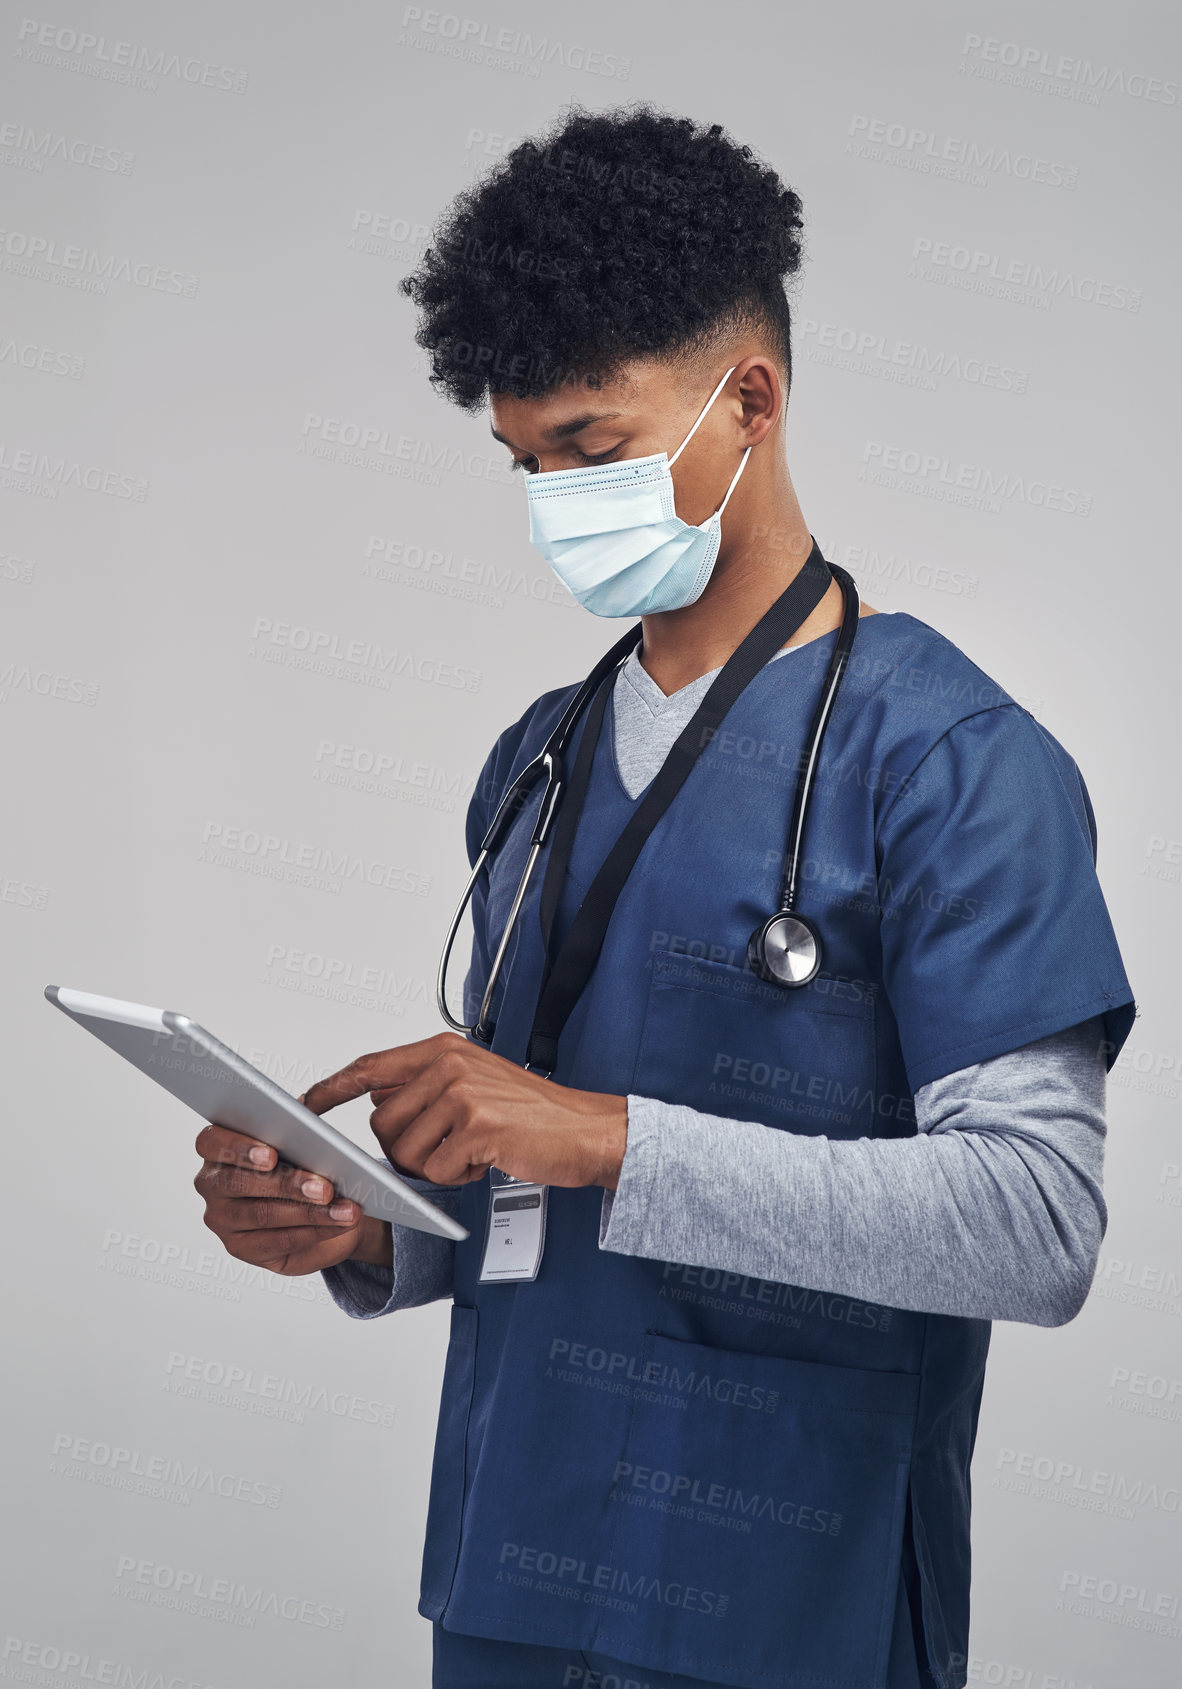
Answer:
[(516, 1228)]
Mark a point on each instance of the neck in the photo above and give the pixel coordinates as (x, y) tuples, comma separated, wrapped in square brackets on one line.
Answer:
[(765, 543)]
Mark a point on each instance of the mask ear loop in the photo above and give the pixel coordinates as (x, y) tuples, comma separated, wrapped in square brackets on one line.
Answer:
[(704, 409), (731, 488), (690, 435)]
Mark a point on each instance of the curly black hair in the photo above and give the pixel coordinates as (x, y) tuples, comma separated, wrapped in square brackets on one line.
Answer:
[(613, 235)]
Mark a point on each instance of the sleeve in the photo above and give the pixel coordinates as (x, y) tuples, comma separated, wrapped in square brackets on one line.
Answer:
[(993, 1210), (994, 927), (421, 1270)]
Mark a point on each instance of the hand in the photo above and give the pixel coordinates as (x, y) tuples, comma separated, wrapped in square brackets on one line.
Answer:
[(264, 1215), (448, 1110)]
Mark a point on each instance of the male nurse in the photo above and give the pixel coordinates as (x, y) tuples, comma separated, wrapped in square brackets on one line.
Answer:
[(720, 1433)]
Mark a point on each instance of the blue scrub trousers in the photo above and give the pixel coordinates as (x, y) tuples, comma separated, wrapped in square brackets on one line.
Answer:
[(479, 1662)]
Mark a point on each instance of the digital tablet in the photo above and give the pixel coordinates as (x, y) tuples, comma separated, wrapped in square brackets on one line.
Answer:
[(227, 1091)]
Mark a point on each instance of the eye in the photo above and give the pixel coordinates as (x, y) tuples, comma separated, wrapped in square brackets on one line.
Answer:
[(517, 463)]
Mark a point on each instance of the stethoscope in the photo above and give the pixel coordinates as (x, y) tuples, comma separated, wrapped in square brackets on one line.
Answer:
[(785, 949)]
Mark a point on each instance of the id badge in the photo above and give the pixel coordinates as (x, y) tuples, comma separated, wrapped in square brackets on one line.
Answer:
[(516, 1230)]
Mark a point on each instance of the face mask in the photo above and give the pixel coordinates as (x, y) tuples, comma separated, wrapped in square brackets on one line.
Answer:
[(610, 532)]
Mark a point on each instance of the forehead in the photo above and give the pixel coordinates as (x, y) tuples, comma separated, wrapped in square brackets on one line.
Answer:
[(636, 389)]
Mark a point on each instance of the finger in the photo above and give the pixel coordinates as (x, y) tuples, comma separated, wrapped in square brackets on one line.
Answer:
[(461, 1158), (384, 1091), (452, 1069), (231, 1216), (290, 1183), (378, 1070), (445, 1139), (219, 1143)]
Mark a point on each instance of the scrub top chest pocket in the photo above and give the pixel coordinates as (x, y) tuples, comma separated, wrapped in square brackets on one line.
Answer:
[(748, 1050)]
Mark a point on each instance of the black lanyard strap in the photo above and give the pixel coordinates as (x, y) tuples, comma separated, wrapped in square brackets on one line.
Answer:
[(563, 981)]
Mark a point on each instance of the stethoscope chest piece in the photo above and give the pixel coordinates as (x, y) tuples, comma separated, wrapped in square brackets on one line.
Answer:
[(785, 949)]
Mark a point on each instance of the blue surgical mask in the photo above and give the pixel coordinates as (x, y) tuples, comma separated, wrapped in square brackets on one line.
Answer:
[(610, 532)]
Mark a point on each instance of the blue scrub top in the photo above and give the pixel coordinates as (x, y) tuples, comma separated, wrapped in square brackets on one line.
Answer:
[(693, 1471)]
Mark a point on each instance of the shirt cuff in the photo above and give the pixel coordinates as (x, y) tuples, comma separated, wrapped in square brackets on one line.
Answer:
[(420, 1272), (363, 1289), (625, 1212)]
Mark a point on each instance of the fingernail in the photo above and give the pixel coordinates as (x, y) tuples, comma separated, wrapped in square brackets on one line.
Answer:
[(314, 1189), (341, 1210), (260, 1155)]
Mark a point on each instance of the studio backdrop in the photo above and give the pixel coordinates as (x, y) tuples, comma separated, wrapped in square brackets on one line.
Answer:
[(266, 601)]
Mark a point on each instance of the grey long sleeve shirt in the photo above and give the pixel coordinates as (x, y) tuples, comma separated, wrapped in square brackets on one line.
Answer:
[(993, 1210)]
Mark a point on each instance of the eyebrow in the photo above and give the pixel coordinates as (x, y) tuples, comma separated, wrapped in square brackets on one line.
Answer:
[(563, 430)]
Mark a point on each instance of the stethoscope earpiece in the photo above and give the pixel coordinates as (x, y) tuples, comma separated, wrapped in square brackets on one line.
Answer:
[(785, 949)]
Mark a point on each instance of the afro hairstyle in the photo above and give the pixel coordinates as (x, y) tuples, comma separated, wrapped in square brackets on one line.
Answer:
[(614, 235)]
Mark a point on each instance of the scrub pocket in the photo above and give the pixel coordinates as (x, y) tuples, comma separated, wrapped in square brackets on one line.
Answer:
[(717, 1036), (446, 1503), (759, 1507)]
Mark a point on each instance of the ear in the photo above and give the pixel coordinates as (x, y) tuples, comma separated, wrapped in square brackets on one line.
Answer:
[(761, 394)]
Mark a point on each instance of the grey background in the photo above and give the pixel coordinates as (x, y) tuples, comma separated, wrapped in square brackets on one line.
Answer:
[(160, 725)]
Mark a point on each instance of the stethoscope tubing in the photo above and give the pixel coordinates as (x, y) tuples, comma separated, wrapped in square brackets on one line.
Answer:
[(551, 762), (837, 662)]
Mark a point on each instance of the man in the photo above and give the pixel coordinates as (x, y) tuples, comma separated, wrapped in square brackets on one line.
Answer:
[(722, 1434)]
